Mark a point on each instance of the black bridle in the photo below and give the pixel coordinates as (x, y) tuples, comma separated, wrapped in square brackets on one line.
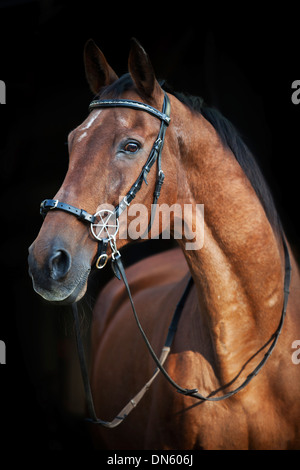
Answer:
[(155, 155), (118, 268)]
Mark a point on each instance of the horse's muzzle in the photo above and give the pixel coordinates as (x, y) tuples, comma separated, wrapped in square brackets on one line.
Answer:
[(56, 276)]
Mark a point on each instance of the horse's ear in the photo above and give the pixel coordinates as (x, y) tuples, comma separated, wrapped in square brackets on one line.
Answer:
[(141, 71), (98, 71)]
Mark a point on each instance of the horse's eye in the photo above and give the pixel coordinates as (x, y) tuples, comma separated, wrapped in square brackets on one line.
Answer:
[(131, 147)]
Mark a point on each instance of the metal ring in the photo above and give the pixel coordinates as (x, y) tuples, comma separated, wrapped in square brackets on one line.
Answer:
[(115, 253), (100, 263), (107, 229)]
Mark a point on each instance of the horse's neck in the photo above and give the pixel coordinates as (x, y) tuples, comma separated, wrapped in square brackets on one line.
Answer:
[(238, 271)]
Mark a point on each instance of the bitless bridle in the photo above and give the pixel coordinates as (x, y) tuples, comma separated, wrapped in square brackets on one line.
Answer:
[(104, 227)]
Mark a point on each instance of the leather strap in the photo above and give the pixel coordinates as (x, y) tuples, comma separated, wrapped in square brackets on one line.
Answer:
[(194, 392), (54, 204), (155, 155), (120, 273), (119, 103), (164, 354), (102, 257)]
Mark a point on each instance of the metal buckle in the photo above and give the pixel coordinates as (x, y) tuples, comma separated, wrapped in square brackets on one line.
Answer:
[(56, 201)]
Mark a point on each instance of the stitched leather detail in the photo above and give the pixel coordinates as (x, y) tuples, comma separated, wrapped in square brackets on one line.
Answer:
[(130, 104)]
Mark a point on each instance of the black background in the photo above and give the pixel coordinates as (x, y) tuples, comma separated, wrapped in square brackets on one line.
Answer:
[(242, 61)]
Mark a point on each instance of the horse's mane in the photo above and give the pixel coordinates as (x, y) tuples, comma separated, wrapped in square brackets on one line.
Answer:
[(228, 135)]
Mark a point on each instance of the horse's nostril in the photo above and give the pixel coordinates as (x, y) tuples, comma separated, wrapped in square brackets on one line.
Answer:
[(59, 263)]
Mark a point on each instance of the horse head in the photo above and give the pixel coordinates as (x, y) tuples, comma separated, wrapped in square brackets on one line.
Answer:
[(106, 154)]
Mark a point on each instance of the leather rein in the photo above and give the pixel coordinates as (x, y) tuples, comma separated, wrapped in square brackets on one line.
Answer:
[(119, 271)]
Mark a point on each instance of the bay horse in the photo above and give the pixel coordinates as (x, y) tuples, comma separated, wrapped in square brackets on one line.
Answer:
[(238, 296)]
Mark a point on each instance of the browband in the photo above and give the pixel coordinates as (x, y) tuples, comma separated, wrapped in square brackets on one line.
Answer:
[(120, 103)]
